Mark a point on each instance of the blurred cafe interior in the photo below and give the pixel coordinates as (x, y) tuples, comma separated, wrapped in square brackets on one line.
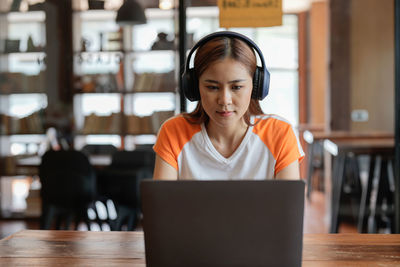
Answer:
[(97, 78)]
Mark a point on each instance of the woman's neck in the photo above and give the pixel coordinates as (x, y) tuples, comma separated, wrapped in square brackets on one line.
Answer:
[(226, 139)]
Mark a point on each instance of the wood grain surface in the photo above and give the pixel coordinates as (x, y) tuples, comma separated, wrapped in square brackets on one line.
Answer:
[(72, 248)]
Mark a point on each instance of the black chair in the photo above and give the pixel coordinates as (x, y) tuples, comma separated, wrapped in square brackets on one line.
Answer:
[(376, 214), (120, 183), (315, 163), (68, 188), (99, 149)]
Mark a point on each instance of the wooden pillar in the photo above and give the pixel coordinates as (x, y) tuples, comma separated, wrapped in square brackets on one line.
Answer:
[(397, 117), (59, 50), (340, 67), (304, 109), (303, 78), (59, 64), (318, 51), (182, 50)]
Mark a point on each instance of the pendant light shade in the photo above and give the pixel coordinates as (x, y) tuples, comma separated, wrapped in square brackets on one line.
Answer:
[(130, 13)]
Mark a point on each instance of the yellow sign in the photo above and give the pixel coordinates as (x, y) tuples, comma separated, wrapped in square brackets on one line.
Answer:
[(250, 13)]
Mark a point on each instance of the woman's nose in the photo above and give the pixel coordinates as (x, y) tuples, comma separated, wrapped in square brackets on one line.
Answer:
[(225, 97)]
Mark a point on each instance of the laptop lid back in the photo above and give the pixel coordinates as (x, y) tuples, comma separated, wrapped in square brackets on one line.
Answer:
[(223, 223)]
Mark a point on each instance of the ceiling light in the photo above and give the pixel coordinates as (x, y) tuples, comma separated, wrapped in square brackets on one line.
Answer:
[(130, 13), (166, 4)]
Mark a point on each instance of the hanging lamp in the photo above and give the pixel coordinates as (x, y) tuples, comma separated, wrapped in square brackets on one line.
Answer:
[(130, 13), (166, 4)]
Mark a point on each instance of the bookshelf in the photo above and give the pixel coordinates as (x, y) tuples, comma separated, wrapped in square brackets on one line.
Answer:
[(22, 81), (23, 103), (125, 78)]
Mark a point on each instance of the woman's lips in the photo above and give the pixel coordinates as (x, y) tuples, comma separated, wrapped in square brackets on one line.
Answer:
[(225, 113)]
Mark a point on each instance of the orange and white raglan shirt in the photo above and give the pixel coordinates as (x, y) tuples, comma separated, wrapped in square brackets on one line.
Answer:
[(267, 148)]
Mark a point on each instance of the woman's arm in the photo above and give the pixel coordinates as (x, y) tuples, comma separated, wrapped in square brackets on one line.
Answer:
[(164, 171), (291, 172)]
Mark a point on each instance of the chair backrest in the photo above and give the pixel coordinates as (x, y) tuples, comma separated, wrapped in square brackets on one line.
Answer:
[(144, 147), (120, 181), (133, 159), (67, 178), (99, 149)]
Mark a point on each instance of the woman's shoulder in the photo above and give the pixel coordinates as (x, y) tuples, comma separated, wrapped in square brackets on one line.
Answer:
[(273, 129), (271, 121), (279, 135)]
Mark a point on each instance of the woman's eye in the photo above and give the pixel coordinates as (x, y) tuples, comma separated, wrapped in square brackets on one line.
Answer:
[(211, 87), (236, 87)]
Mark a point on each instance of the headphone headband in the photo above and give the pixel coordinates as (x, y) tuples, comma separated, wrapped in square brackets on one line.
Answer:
[(260, 79), (213, 35)]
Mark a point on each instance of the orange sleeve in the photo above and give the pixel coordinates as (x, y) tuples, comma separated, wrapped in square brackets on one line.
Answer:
[(281, 140), (171, 138)]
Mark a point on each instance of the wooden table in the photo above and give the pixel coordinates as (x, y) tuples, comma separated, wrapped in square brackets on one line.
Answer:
[(316, 138), (70, 248), (348, 135), (345, 146)]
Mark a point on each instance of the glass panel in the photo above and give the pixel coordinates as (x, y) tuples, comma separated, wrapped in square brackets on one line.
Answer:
[(81, 140), (98, 62), (144, 36), (100, 104), (97, 104), (94, 32), (22, 98), (29, 34), (14, 191), (25, 144), (148, 56), (22, 30), (104, 139), (283, 95), (154, 61), (145, 104), (22, 105), (131, 141), (279, 44)]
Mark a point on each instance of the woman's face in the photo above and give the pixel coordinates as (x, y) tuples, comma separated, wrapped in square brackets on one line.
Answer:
[(225, 92)]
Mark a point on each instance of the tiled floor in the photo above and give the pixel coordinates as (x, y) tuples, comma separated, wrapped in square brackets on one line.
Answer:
[(314, 221), (314, 214)]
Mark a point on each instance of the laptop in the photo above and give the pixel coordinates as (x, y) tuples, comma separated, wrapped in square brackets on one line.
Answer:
[(223, 223)]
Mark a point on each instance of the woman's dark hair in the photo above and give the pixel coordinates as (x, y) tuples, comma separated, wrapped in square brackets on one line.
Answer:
[(218, 49)]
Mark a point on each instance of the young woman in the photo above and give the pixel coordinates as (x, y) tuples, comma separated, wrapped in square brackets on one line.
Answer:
[(227, 136)]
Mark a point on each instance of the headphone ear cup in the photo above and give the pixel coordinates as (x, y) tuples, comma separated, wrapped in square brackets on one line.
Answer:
[(190, 85), (258, 86)]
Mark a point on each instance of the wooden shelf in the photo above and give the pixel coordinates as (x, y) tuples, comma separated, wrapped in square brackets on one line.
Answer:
[(125, 92), (165, 51), (24, 53), (20, 93), (25, 17), (23, 134)]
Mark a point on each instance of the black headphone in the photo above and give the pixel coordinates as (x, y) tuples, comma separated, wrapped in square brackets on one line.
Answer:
[(261, 76)]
